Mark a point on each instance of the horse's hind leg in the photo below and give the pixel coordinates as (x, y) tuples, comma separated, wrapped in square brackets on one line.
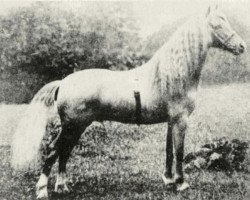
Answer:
[(41, 186), (66, 145), (49, 156)]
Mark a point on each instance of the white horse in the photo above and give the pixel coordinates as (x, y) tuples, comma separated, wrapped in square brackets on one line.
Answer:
[(158, 91)]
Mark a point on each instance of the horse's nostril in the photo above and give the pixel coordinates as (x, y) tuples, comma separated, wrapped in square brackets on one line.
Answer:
[(242, 48)]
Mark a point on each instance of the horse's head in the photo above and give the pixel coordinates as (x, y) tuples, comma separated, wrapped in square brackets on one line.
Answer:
[(223, 36)]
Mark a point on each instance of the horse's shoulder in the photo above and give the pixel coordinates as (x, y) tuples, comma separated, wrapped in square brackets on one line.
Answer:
[(183, 104)]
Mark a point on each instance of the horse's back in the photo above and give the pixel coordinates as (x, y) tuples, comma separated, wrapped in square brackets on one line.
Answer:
[(87, 82), (86, 90)]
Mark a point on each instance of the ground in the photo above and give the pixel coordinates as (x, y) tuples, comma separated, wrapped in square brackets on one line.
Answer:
[(126, 162)]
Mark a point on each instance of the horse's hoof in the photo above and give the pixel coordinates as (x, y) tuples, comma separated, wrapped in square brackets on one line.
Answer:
[(62, 189), (182, 186), (167, 181), (42, 193)]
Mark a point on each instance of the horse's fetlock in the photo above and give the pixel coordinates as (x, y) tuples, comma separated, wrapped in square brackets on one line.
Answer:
[(42, 182), (42, 193), (178, 179)]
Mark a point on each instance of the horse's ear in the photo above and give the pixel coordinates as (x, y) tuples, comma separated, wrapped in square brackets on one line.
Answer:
[(208, 11)]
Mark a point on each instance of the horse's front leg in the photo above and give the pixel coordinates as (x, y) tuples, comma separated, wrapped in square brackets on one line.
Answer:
[(41, 186), (168, 176), (179, 130)]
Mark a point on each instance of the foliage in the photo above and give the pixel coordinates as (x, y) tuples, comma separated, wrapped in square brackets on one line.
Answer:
[(222, 154), (43, 42), (53, 43)]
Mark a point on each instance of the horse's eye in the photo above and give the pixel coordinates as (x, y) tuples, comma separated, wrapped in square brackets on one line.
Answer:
[(216, 26), (222, 18)]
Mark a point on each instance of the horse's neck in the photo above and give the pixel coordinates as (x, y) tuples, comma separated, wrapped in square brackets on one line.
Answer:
[(178, 64)]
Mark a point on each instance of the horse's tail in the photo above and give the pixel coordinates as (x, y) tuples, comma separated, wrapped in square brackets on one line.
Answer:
[(32, 127)]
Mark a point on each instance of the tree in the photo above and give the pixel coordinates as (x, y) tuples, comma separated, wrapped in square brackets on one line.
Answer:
[(42, 43)]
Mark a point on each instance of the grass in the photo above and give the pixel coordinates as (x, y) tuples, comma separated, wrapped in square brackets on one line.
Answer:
[(125, 162)]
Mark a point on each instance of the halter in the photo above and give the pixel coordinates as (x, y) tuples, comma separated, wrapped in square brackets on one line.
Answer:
[(226, 40), (229, 38)]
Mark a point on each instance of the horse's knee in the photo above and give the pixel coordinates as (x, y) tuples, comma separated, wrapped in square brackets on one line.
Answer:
[(179, 124), (190, 106), (182, 123)]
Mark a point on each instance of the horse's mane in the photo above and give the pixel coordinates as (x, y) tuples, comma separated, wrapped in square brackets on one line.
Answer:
[(177, 64)]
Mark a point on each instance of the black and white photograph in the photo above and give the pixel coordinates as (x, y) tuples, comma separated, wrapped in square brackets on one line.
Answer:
[(125, 100)]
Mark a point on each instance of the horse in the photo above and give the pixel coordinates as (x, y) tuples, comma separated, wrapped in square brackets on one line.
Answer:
[(160, 90)]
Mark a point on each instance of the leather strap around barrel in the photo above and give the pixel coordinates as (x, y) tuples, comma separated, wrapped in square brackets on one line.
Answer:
[(137, 107)]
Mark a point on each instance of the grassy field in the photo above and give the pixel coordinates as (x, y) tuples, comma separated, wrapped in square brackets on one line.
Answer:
[(125, 162)]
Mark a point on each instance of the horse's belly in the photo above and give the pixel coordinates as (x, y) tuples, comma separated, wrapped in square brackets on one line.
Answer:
[(130, 115), (95, 110), (126, 114)]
